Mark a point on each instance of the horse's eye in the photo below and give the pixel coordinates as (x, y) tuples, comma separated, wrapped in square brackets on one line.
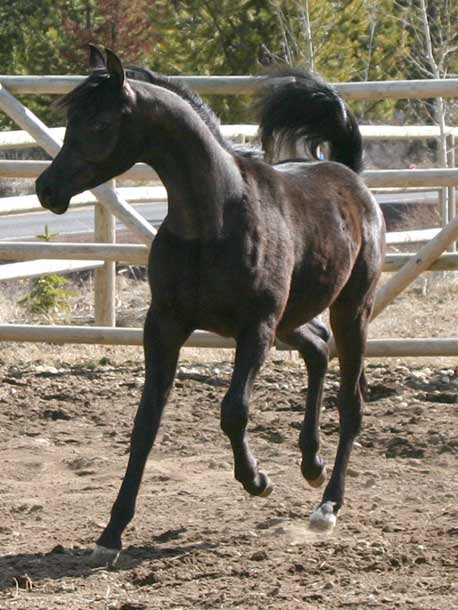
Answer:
[(99, 126)]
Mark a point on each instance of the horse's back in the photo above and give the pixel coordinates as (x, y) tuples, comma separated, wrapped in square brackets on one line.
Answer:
[(323, 205), (325, 182)]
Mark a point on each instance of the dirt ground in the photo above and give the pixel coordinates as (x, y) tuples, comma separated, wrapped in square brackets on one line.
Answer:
[(198, 541)]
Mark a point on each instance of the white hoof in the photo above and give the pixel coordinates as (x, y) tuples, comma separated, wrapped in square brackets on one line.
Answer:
[(101, 556), (323, 519)]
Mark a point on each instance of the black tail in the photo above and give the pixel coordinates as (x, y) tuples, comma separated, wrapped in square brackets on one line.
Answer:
[(305, 108)]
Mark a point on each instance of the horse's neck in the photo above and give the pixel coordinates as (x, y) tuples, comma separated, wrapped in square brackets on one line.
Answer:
[(200, 176)]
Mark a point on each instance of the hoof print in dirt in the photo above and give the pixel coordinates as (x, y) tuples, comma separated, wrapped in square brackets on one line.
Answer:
[(403, 448), (448, 398), (378, 391), (169, 535), (56, 414)]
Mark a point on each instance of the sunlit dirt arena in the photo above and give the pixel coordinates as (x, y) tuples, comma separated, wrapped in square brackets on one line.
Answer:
[(198, 541)]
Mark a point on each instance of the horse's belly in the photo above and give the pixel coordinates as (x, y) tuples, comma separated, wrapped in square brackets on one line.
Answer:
[(228, 304), (314, 290)]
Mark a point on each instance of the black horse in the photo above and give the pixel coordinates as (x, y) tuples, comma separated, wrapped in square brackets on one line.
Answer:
[(248, 250)]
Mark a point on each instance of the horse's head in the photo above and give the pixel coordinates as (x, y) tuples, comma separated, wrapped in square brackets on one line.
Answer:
[(100, 140)]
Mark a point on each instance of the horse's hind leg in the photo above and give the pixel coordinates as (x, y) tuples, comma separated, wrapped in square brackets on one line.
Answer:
[(349, 323), (311, 340), (163, 338), (253, 346)]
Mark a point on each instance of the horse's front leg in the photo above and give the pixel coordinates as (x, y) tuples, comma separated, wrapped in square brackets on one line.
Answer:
[(163, 338), (253, 346)]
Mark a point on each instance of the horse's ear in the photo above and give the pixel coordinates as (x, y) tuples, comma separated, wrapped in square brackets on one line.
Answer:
[(115, 67), (97, 59)]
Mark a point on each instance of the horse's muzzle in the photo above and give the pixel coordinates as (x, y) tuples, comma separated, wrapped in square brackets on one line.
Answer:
[(48, 197)]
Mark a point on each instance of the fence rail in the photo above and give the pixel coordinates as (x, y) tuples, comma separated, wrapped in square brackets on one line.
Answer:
[(138, 255), (103, 335), (435, 177), (249, 85), (407, 266), (19, 140)]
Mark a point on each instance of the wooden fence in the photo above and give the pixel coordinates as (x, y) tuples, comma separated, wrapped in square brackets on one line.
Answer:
[(112, 203)]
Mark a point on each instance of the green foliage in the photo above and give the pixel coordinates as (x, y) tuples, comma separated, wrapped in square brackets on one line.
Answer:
[(30, 43), (211, 36), (208, 37), (46, 235), (350, 40), (123, 25), (49, 294)]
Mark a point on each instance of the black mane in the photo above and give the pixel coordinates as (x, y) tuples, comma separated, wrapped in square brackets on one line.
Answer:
[(86, 96), (203, 110)]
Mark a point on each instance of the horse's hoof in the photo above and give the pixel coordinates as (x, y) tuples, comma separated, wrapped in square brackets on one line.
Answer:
[(268, 489), (265, 486), (102, 556), (260, 486), (320, 479), (323, 519)]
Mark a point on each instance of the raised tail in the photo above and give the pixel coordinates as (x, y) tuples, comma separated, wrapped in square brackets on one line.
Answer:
[(300, 108)]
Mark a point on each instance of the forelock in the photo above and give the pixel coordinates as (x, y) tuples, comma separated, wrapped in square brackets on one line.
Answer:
[(89, 96)]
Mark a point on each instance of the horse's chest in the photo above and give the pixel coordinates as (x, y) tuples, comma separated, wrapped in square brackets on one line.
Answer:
[(215, 286)]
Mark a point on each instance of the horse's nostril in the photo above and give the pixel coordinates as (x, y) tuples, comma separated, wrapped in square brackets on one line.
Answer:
[(44, 195)]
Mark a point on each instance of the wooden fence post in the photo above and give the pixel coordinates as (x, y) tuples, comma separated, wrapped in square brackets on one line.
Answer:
[(452, 189), (105, 277)]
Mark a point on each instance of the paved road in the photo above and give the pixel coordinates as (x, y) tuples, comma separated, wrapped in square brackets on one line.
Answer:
[(76, 222), (80, 221)]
